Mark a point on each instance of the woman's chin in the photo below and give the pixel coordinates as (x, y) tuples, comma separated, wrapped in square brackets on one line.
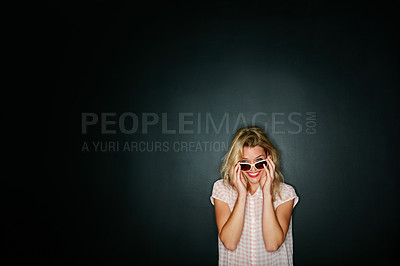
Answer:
[(253, 180)]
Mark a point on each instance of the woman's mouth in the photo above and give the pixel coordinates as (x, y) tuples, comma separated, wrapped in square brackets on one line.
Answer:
[(253, 175)]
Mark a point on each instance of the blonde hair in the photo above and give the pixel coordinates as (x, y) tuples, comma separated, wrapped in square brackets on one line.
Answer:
[(250, 136)]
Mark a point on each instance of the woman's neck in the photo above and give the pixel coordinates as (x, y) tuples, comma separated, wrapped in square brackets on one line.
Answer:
[(253, 188)]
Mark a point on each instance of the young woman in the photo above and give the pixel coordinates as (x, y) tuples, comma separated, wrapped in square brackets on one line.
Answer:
[(253, 206)]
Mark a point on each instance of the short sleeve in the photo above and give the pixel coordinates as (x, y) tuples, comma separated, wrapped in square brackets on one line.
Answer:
[(220, 191), (287, 193)]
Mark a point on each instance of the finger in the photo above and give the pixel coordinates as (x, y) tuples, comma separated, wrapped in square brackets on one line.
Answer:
[(268, 163), (272, 168), (267, 171), (263, 179), (237, 165), (239, 181), (271, 162), (238, 172), (243, 181), (271, 172), (235, 174), (238, 168)]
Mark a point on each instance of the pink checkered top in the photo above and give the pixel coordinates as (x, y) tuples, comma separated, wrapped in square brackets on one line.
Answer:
[(250, 249)]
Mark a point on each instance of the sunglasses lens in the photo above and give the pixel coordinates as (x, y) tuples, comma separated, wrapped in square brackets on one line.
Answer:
[(245, 167), (260, 165)]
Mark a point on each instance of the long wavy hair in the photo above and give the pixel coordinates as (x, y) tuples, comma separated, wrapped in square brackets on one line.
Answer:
[(250, 136)]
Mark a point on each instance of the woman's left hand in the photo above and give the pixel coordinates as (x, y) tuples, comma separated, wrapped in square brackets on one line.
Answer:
[(268, 176)]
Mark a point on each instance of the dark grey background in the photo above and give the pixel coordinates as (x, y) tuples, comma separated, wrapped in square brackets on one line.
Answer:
[(337, 60)]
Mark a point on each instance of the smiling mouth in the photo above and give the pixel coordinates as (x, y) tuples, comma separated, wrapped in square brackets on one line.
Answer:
[(253, 174)]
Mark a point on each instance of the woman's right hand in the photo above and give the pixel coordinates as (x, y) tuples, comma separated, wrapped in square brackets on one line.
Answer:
[(239, 182)]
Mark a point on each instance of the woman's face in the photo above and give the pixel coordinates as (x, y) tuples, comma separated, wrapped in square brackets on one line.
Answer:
[(253, 155)]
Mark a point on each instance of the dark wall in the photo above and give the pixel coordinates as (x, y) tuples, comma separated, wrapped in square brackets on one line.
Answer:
[(325, 77)]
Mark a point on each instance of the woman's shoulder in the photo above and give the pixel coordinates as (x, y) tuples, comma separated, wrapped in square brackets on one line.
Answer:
[(224, 192), (286, 187), (287, 192), (221, 185)]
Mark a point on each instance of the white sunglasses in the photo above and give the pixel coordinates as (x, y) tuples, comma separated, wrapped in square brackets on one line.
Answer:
[(247, 166)]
